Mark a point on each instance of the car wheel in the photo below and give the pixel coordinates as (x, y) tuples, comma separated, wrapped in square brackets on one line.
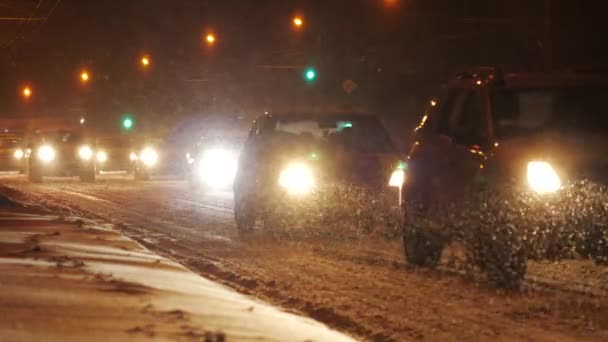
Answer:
[(421, 247), (503, 260), (597, 246), (244, 214)]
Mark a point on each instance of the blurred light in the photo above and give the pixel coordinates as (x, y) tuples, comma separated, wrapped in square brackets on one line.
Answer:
[(496, 144), (218, 168), (310, 74), (46, 153), (82, 121), (397, 178), (84, 76), (133, 156), (433, 103), (127, 123), (478, 82), (297, 179), (298, 22), (85, 152), (27, 92), (542, 178), (18, 154), (101, 157), (145, 61), (210, 38), (149, 156)]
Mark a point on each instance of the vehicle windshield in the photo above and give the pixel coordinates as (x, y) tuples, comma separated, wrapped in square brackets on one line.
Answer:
[(362, 134), (529, 110)]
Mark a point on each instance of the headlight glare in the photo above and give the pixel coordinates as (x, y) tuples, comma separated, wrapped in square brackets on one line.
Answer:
[(18, 154), (85, 152), (46, 153), (149, 156), (397, 178), (542, 178), (297, 179), (101, 156), (218, 167)]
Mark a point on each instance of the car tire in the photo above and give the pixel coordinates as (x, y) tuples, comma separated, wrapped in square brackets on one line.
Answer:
[(244, 214), (502, 260), (597, 246), (421, 248)]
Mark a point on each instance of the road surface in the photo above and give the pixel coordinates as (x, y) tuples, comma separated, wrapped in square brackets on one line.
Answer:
[(359, 286)]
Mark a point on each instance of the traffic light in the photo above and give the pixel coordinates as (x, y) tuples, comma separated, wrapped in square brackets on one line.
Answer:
[(127, 123), (310, 75)]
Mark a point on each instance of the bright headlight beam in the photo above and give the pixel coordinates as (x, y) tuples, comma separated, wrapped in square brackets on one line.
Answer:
[(101, 156), (149, 156), (297, 179), (218, 167), (397, 178), (46, 153), (85, 152), (18, 154), (542, 178)]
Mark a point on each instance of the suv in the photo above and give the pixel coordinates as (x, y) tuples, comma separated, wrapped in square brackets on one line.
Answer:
[(303, 166), (513, 167), (61, 153)]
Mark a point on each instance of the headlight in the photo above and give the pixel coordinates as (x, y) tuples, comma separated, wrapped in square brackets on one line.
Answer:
[(149, 156), (218, 167), (101, 157), (18, 154), (542, 178), (46, 153), (133, 156), (297, 179), (85, 152), (397, 178)]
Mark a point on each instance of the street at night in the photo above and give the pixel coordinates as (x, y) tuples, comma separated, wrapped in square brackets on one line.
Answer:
[(303, 170)]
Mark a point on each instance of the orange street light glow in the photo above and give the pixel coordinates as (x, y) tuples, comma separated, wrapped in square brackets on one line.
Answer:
[(210, 38), (27, 92), (84, 76), (145, 61), (298, 22)]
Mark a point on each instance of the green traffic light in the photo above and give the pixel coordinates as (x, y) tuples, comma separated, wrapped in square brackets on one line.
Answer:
[(127, 123), (310, 74)]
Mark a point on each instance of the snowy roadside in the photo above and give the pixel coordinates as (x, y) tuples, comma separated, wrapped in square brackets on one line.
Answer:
[(70, 279)]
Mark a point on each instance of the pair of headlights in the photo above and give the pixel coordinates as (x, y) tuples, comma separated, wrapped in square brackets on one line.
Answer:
[(47, 154), (148, 156), (299, 179)]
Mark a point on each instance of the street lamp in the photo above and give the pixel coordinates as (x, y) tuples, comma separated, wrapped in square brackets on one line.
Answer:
[(145, 61), (27, 92), (210, 39), (298, 22), (84, 76)]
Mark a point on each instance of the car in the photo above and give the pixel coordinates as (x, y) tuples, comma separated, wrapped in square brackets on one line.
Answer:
[(512, 166), (114, 153), (13, 152), (301, 166), (212, 162), (153, 155), (61, 153)]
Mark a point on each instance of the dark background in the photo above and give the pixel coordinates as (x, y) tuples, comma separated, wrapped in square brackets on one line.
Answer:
[(396, 51)]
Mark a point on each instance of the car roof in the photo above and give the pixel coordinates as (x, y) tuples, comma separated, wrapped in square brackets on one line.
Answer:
[(554, 79)]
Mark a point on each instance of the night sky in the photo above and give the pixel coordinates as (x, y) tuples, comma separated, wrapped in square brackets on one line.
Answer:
[(396, 51)]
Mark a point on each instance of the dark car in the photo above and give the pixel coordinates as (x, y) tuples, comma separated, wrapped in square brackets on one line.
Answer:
[(13, 152), (157, 156), (513, 166), (61, 153), (114, 153), (297, 166)]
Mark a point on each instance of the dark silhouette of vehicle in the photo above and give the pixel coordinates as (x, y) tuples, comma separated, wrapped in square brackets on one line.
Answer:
[(298, 164), (513, 166)]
